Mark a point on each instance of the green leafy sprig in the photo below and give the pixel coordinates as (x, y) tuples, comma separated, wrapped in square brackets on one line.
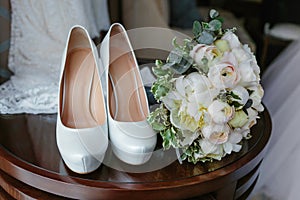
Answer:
[(208, 32), (179, 60), (160, 122)]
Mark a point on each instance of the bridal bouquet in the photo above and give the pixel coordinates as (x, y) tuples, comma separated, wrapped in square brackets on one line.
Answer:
[(209, 93)]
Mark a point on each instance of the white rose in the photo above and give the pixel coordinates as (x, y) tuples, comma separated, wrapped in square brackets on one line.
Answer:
[(201, 51), (216, 133), (220, 112), (224, 74), (232, 39)]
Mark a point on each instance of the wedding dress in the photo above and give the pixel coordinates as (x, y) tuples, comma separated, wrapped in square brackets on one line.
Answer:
[(38, 33), (279, 177)]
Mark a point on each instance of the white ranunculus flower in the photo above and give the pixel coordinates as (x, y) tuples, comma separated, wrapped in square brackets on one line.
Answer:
[(232, 39), (224, 74), (220, 112), (201, 51), (241, 54), (232, 144), (242, 93), (248, 75), (210, 149), (189, 101), (189, 137), (257, 96), (254, 65), (216, 133)]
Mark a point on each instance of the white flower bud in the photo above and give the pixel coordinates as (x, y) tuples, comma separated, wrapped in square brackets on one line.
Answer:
[(220, 112)]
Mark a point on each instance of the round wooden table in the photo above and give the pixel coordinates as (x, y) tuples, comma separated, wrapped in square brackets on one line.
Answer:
[(31, 168)]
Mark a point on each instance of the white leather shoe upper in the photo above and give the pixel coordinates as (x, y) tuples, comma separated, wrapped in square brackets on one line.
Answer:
[(132, 141), (83, 148)]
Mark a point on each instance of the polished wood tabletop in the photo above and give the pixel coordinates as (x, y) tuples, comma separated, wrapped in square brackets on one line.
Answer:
[(31, 166)]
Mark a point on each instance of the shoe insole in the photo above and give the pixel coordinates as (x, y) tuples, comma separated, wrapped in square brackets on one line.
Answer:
[(83, 105), (127, 99)]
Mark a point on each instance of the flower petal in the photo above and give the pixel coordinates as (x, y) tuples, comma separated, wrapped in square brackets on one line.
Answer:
[(180, 86)]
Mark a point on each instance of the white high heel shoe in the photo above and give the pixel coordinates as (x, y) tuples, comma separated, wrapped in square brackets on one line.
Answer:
[(81, 131), (132, 138)]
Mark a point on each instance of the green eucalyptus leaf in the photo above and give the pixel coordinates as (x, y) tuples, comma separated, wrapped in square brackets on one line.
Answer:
[(215, 25), (197, 29), (169, 64), (178, 62), (205, 26), (213, 13), (205, 38), (180, 69), (220, 19), (175, 56)]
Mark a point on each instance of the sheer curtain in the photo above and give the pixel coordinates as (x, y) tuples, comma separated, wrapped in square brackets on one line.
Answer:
[(280, 178), (38, 33)]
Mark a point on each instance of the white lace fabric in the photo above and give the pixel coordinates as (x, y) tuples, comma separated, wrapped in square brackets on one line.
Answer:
[(39, 31)]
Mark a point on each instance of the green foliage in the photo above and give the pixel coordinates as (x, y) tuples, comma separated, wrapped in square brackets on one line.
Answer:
[(194, 154), (208, 32), (232, 99), (159, 120), (213, 14), (179, 60), (197, 28), (169, 137), (163, 84)]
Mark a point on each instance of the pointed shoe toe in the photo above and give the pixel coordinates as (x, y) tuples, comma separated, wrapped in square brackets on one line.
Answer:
[(82, 150), (132, 138), (132, 143), (81, 130)]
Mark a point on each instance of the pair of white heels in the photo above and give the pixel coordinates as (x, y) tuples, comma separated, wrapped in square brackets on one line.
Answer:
[(87, 109)]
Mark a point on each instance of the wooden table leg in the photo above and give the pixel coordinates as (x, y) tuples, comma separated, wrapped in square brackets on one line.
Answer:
[(226, 192)]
